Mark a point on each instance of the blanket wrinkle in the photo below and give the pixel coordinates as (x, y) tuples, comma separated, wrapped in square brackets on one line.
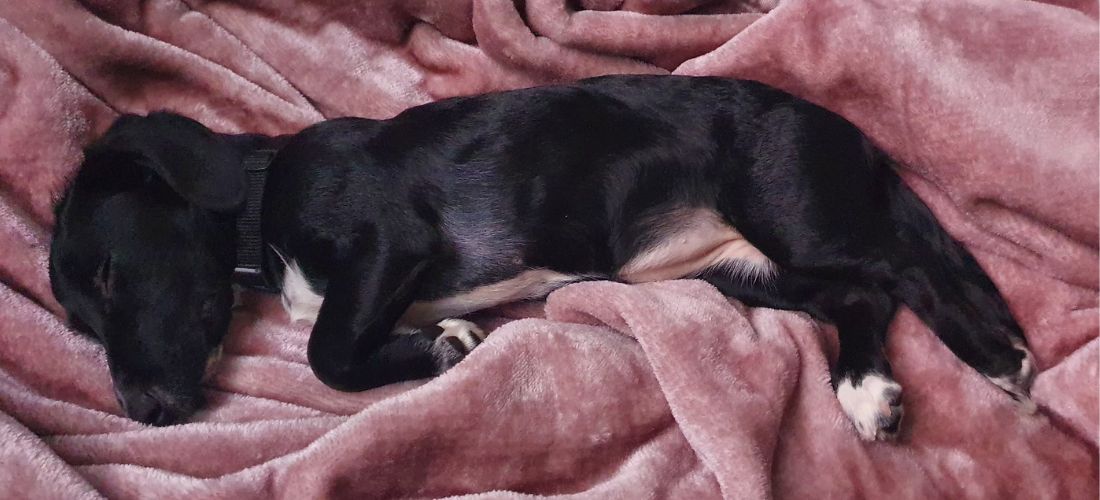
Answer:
[(25, 458), (294, 96), (605, 390), (502, 34), (650, 38), (706, 315)]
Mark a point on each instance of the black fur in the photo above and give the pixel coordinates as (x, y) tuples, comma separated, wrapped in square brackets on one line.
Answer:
[(465, 192)]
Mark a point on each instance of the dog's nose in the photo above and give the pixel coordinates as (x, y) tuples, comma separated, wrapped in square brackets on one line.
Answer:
[(146, 407)]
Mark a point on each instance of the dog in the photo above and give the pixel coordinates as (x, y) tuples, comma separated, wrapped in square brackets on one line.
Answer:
[(384, 233)]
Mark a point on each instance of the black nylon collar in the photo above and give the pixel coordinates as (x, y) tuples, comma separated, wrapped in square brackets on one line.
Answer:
[(250, 269)]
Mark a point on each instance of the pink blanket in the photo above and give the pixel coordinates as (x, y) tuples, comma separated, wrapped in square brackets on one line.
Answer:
[(665, 390)]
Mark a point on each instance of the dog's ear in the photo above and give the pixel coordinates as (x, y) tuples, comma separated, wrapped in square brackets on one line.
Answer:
[(199, 165)]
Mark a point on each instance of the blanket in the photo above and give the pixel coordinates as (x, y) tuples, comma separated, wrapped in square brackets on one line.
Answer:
[(604, 390)]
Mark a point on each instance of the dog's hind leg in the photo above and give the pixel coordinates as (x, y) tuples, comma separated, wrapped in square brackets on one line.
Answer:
[(861, 377), (811, 199)]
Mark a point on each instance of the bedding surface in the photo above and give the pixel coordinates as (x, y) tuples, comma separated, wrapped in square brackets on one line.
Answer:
[(662, 390)]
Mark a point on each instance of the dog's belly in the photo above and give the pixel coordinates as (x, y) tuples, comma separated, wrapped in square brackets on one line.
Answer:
[(695, 240), (302, 303), (532, 284)]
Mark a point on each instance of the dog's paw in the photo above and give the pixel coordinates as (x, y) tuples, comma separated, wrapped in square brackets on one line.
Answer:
[(462, 334), (456, 339), (873, 404), (1018, 384)]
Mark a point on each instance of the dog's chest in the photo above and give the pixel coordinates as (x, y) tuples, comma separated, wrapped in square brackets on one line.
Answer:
[(301, 301)]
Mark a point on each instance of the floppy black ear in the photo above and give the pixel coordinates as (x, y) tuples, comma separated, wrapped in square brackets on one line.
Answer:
[(203, 168)]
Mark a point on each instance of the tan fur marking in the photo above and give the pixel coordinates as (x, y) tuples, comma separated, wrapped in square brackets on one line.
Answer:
[(531, 284), (702, 240)]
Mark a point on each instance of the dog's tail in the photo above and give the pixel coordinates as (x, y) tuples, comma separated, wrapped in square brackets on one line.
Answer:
[(936, 277)]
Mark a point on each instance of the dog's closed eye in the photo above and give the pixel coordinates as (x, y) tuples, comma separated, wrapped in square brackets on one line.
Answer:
[(103, 279)]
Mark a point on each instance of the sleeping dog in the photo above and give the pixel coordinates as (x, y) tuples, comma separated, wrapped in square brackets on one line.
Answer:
[(383, 232)]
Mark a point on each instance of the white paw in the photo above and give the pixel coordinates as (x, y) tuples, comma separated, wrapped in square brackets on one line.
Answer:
[(1018, 385), (873, 404), (467, 334)]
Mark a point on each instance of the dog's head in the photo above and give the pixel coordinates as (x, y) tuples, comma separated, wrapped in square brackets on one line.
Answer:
[(143, 253)]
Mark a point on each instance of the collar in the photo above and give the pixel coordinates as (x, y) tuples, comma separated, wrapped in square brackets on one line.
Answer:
[(250, 270)]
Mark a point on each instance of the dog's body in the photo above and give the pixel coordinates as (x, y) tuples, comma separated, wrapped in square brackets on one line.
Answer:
[(467, 203)]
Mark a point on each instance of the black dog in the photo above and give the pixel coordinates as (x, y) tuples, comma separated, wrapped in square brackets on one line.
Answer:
[(470, 202)]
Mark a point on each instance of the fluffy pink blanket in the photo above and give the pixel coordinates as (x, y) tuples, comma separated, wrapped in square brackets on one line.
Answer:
[(665, 390)]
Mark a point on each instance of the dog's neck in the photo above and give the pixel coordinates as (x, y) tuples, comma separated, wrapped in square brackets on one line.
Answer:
[(251, 269)]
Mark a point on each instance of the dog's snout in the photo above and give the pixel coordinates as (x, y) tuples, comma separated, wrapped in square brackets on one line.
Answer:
[(150, 406), (143, 407)]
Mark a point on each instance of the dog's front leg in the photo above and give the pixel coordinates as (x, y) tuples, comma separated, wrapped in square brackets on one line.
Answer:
[(353, 345)]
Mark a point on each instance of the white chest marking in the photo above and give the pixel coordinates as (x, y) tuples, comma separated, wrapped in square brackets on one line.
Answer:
[(693, 241), (299, 299)]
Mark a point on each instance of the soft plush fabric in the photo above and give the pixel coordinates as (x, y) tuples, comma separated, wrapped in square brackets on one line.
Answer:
[(664, 390)]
